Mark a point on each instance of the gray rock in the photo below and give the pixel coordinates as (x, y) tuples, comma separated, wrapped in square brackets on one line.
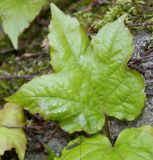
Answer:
[(36, 156), (57, 145), (142, 40)]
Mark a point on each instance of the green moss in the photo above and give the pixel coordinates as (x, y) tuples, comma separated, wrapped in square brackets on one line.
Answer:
[(138, 11), (13, 66), (89, 16)]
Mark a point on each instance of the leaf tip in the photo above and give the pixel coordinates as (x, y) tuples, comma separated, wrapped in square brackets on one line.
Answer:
[(15, 45), (52, 5), (55, 11), (54, 8), (12, 36)]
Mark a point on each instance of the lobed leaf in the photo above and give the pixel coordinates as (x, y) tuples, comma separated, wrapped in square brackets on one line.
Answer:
[(12, 116), (132, 144), (90, 79), (17, 14)]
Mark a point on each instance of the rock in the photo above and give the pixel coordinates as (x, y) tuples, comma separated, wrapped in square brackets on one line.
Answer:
[(57, 145), (36, 156)]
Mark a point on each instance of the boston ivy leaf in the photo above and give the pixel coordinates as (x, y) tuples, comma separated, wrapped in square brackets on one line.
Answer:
[(132, 144), (17, 14), (90, 79), (12, 116)]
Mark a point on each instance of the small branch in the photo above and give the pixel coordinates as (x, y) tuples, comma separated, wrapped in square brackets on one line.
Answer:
[(135, 60), (30, 55), (147, 52), (50, 135), (95, 3), (21, 127), (13, 127), (106, 130), (12, 77), (140, 25), (133, 66), (8, 50), (145, 55)]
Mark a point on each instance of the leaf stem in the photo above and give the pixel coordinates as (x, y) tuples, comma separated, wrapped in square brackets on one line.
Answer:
[(107, 130)]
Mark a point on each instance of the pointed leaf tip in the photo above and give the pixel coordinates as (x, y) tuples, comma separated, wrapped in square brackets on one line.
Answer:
[(55, 11), (53, 6), (15, 43)]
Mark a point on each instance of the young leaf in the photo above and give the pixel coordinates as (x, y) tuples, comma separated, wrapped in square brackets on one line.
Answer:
[(12, 116), (17, 14), (132, 144), (90, 79)]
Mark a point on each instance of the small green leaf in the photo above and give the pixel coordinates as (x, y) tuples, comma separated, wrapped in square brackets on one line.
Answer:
[(17, 14), (89, 79), (132, 144), (12, 116)]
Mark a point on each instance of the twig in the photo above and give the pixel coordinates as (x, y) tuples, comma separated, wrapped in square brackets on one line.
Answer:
[(140, 25), (30, 55), (147, 52), (50, 135), (134, 3), (133, 66), (134, 60), (7, 50), (21, 127), (12, 77)]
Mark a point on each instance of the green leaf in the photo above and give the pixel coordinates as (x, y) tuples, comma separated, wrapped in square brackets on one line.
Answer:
[(89, 79), (17, 14), (132, 144), (12, 116)]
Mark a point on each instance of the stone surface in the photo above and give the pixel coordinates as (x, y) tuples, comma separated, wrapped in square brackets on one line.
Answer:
[(57, 145)]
